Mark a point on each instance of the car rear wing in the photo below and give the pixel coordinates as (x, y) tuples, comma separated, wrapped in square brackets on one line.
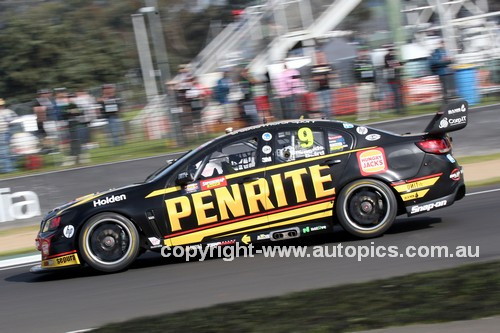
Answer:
[(451, 117)]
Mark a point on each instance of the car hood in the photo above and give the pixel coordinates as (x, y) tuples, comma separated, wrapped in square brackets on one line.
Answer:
[(86, 198)]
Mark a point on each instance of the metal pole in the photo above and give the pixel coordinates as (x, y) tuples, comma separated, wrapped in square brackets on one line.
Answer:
[(447, 29), (306, 13), (141, 38), (158, 40), (163, 65)]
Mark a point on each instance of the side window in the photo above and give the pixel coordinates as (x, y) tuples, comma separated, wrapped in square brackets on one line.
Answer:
[(234, 157), (298, 144), (338, 142)]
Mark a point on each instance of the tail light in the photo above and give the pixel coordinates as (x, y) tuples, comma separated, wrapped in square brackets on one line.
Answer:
[(435, 146)]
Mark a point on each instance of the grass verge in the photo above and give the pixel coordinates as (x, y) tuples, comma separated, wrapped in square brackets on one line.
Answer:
[(25, 250), (478, 158), (466, 292)]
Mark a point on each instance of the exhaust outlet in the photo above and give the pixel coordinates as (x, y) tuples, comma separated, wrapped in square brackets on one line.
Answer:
[(279, 235)]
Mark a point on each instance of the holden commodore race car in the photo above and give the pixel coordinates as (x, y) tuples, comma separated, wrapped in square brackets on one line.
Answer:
[(264, 183)]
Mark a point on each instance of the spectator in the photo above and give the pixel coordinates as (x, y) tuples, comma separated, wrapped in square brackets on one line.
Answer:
[(6, 117), (111, 109), (439, 62), (195, 97), (290, 88), (247, 107), (86, 104), (393, 70), (72, 115), (365, 76), (221, 95), (322, 72)]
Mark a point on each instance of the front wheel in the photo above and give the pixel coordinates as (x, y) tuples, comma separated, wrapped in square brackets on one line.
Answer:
[(366, 208), (109, 242)]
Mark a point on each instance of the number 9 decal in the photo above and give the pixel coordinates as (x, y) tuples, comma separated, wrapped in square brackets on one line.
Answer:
[(306, 137)]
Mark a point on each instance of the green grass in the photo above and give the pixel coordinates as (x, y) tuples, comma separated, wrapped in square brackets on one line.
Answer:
[(478, 158), (492, 181), (12, 253), (19, 230), (466, 292)]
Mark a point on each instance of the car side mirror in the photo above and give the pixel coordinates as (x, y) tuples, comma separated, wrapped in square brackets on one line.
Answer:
[(183, 178)]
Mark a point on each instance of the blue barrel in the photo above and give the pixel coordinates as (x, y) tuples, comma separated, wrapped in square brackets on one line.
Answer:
[(467, 83)]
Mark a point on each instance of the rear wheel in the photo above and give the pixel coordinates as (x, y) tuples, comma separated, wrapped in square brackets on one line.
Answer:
[(109, 242), (366, 208)]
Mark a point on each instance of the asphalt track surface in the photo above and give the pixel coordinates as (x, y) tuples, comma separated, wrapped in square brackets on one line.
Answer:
[(80, 299)]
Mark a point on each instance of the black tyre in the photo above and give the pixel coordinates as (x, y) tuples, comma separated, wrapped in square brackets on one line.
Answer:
[(109, 242), (366, 208)]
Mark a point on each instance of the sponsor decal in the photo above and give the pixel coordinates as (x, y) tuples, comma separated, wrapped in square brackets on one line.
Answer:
[(362, 130), (336, 142), (450, 158), (154, 241), (427, 207), (266, 149), (372, 161), (372, 137), (414, 195), (457, 110), (455, 174), (246, 239), (67, 260), (347, 125), (68, 231), (267, 136), (263, 236), (191, 188), (213, 183), (222, 243), (109, 200), (443, 123), (413, 185), (457, 121), (218, 202), (267, 159), (312, 229), (18, 205)]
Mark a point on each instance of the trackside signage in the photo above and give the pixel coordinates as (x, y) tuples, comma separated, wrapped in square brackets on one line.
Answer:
[(18, 206)]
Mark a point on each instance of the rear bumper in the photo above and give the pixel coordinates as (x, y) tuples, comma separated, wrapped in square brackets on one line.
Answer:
[(445, 201)]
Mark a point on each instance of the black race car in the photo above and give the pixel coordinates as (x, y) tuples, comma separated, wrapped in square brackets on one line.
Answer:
[(263, 183)]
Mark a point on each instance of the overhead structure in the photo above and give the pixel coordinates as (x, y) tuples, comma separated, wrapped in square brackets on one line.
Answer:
[(466, 26)]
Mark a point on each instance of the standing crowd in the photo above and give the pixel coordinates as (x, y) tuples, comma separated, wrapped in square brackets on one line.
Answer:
[(66, 123)]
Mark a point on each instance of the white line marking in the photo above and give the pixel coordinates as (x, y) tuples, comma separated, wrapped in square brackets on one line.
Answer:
[(20, 261), (481, 192), (17, 266), (82, 331)]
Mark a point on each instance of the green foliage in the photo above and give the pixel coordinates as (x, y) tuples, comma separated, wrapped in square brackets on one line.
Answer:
[(460, 293), (84, 43), (71, 44)]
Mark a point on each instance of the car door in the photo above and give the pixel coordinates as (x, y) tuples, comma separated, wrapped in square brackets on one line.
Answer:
[(304, 169), (225, 195)]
